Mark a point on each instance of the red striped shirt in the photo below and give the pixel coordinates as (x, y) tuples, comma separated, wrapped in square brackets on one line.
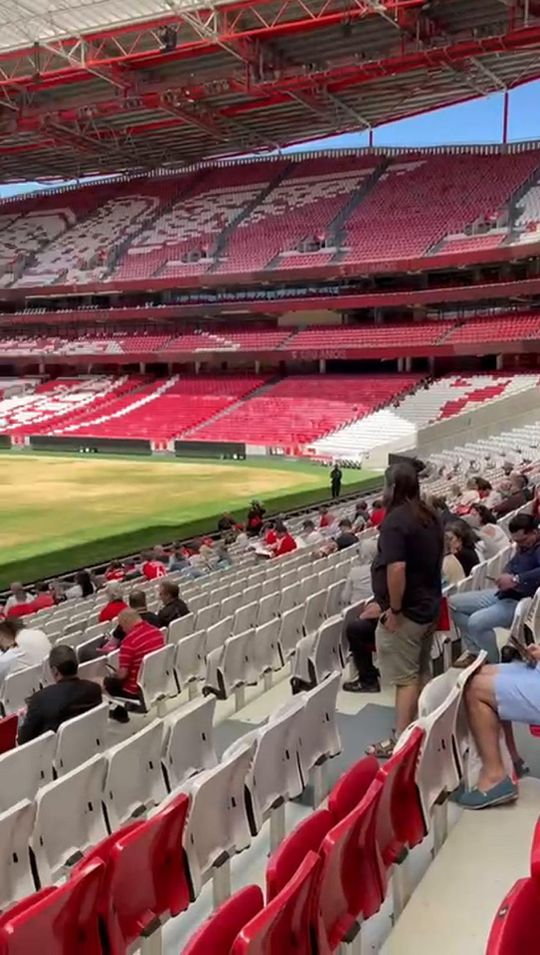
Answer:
[(143, 639)]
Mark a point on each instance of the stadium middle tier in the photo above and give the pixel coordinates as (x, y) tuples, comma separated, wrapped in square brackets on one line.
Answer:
[(329, 415), (274, 215)]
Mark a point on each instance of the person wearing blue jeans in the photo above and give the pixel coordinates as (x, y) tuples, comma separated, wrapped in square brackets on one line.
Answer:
[(477, 613)]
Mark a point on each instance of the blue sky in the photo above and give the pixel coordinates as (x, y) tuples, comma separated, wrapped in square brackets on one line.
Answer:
[(480, 121)]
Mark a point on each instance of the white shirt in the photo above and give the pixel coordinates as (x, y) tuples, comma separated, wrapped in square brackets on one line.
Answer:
[(34, 644), (12, 602), (310, 540), (10, 661)]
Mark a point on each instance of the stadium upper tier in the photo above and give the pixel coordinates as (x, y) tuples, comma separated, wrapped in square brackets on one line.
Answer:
[(343, 415), (273, 216), (390, 338)]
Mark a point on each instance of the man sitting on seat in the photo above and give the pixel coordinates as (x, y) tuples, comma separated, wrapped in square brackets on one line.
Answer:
[(172, 605), (21, 647), (67, 697), (477, 612), (496, 697), (140, 639)]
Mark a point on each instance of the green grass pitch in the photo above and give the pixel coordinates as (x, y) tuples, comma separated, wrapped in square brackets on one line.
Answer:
[(59, 512)]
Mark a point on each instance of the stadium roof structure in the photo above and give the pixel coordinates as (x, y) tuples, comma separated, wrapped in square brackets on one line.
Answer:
[(109, 85)]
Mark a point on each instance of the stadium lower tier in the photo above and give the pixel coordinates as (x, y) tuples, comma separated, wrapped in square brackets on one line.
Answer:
[(330, 415)]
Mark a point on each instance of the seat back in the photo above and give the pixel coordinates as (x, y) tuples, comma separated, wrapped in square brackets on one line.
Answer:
[(19, 687), (265, 647), (69, 819), (81, 738), (514, 930), (400, 820), (189, 660), (59, 921), (314, 611), (16, 825), (145, 876), (208, 616), (319, 738), (189, 746), (181, 628), (8, 732), (439, 766), (218, 633), (211, 836), (235, 667), (290, 631), (291, 596), (134, 781), (24, 769), (156, 676), (306, 837), (245, 618), (268, 608), (274, 776), (326, 653), (351, 787), (218, 933), (284, 924), (350, 884)]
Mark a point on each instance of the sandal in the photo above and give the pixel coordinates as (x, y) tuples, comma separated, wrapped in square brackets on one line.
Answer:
[(384, 749)]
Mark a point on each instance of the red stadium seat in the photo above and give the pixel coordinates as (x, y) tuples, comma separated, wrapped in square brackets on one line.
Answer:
[(217, 934), (283, 926), (516, 926), (284, 862), (57, 921), (8, 732), (400, 821), (145, 877), (351, 883), (351, 788)]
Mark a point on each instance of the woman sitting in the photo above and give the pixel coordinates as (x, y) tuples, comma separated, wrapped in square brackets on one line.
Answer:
[(461, 541)]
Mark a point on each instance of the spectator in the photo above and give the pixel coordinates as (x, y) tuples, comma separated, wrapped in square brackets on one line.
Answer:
[(285, 542), (21, 647), (152, 566), (137, 602), (326, 519), (254, 520), (360, 516), (114, 605), (485, 524), (67, 697), (172, 606), (222, 558), (336, 477), (270, 536), (82, 586), (461, 543), (378, 514), (406, 581), (17, 596), (43, 598), (452, 571), (345, 538), (442, 510), (360, 634), (114, 571), (496, 697), (178, 560), (516, 496), (487, 493), (309, 536), (477, 613), (141, 638), (226, 523)]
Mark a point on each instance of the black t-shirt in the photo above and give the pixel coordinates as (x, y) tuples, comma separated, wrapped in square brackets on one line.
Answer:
[(403, 537), (468, 559), (346, 539)]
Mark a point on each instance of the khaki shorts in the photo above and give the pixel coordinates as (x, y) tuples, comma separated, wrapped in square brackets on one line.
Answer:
[(404, 657)]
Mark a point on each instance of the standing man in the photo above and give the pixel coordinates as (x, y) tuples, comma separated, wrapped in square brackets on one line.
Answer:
[(406, 581), (336, 476)]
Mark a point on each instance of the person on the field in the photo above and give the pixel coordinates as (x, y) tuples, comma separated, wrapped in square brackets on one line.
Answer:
[(67, 697), (172, 605), (336, 477)]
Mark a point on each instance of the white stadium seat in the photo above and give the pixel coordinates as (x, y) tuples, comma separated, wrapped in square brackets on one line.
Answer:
[(80, 738), (156, 676), (16, 879), (190, 660), (25, 769), (181, 628), (19, 686), (211, 837), (134, 782), (69, 819), (188, 747)]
